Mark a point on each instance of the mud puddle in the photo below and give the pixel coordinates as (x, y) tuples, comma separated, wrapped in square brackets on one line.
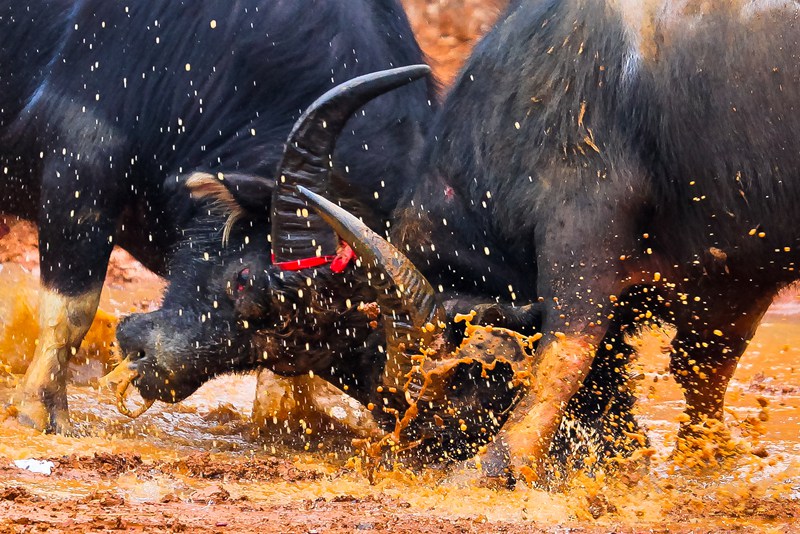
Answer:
[(197, 467)]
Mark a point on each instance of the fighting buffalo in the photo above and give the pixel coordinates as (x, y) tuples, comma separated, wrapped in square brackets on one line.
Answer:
[(121, 121), (596, 164)]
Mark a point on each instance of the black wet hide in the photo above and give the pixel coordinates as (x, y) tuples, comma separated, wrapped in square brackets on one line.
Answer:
[(231, 100)]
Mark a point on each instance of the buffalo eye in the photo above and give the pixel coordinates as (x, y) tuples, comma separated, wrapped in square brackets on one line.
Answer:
[(242, 280)]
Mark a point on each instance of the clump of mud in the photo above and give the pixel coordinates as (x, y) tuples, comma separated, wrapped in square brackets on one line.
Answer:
[(104, 464), (204, 465), (15, 493)]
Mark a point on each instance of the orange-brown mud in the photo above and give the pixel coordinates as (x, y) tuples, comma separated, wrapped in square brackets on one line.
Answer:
[(199, 467)]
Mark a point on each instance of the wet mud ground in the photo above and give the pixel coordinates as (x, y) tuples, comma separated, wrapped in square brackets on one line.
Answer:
[(199, 466)]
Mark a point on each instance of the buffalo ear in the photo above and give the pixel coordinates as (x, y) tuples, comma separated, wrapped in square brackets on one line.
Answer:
[(234, 195), (232, 192)]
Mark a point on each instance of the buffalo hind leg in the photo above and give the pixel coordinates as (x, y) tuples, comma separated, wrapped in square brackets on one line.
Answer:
[(706, 351)]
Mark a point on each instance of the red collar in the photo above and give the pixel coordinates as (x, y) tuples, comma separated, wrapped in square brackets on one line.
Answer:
[(339, 262)]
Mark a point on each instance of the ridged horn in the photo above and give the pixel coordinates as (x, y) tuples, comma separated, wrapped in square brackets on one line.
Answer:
[(411, 315), (306, 161)]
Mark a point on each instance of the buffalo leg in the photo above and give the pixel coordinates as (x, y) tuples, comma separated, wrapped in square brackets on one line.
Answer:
[(63, 322), (603, 406), (561, 364), (599, 417), (578, 246), (706, 350), (287, 402), (75, 242)]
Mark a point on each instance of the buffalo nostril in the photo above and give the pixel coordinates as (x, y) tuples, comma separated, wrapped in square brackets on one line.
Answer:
[(134, 336)]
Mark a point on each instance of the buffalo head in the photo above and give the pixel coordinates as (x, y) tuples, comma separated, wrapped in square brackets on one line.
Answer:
[(207, 324), (337, 300)]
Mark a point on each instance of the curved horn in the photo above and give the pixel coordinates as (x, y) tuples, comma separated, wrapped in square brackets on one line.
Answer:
[(120, 380), (297, 234), (411, 314)]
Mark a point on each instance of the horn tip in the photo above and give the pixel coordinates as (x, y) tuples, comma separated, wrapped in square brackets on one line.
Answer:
[(304, 192)]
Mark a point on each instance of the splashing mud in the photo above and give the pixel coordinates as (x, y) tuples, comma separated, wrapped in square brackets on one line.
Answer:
[(199, 466)]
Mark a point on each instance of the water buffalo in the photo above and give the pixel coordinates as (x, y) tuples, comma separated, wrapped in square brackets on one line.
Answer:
[(120, 122), (313, 309), (618, 160), (612, 160)]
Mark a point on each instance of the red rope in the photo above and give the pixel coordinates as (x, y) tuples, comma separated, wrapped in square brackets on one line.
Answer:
[(339, 262)]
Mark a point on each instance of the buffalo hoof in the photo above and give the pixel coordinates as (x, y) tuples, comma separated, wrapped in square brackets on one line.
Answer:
[(704, 444), (491, 469), (468, 475), (51, 417), (496, 466)]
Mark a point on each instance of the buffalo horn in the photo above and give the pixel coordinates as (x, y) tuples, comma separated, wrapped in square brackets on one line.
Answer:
[(297, 234), (412, 318)]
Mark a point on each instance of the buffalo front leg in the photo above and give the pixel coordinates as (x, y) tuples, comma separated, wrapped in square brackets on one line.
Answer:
[(562, 366), (572, 331), (585, 229), (600, 413), (75, 241), (63, 322), (284, 403)]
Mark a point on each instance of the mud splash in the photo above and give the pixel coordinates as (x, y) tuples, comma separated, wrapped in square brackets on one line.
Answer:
[(196, 466)]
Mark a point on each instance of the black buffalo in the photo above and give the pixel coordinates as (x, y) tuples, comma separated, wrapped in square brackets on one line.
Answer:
[(637, 160), (618, 160), (613, 161), (115, 115)]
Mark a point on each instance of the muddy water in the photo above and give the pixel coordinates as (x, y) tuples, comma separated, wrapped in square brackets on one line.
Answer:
[(751, 480)]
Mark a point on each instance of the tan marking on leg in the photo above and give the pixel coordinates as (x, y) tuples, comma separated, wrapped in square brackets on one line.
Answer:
[(63, 321), (561, 368)]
